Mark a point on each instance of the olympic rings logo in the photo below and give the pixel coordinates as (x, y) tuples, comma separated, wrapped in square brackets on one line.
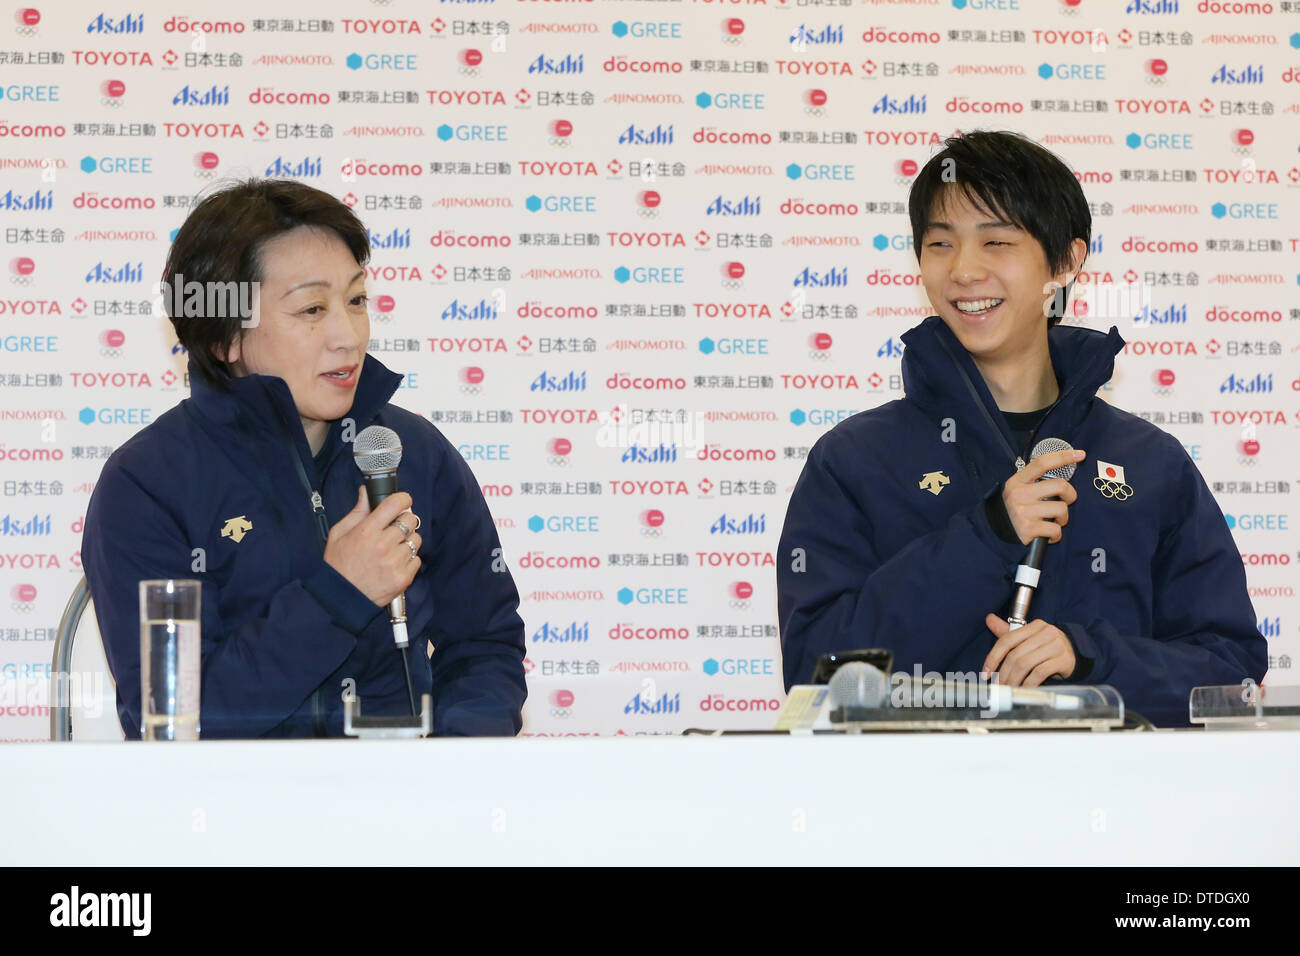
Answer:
[(1112, 489)]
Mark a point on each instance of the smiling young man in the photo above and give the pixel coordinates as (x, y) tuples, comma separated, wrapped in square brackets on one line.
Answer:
[(909, 520)]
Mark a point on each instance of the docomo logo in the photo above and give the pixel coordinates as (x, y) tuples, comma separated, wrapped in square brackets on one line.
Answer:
[(30, 454), (559, 450), (714, 453), (652, 521), (471, 380), (741, 592), (267, 95), (21, 270), (535, 310), (445, 238), (540, 559), (718, 702), (621, 381), (85, 200), (629, 632), (1220, 313), (351, 169)]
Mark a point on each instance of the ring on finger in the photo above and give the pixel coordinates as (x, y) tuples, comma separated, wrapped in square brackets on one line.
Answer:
[(417, 519), (406, 532), (411, 545)]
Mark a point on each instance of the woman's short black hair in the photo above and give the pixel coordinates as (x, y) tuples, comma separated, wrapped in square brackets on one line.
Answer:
[(1012, 177), (221, 242)]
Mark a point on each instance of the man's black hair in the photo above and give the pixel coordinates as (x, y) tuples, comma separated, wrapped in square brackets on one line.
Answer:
[(221, 241), (1009, 176)]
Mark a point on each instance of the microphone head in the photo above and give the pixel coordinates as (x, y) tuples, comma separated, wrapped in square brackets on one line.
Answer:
[(857, 684), (377, 450), (1048, 445)]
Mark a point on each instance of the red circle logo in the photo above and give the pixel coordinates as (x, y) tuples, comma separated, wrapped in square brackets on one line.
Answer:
[(29, 16), (1244, 137), (822, 340), (562, 698), (742, 589), (23, 266), (471, 57), (817, 97), (23, 592), (207, 160), (1250, 446), (471, 375), (561, 446), (650, 199), (908, 167), (385, 303), (112, 338), (1165, 376), (562, 127), (735, 26), (735, 270), (114, 88), (1157, 67), (653, 518)]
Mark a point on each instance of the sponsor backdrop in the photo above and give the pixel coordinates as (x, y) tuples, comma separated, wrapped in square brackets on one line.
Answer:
[(633, 258)]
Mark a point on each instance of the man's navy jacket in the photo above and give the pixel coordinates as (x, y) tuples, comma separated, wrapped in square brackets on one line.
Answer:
[(896, 548), (282, 630)]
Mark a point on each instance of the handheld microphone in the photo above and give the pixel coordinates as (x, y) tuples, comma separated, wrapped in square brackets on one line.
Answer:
[(858, 684), (1028, 570), (378, 451)]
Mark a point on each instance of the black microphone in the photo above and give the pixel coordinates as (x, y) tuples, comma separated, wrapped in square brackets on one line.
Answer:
[(1028, 570), (378, 451)]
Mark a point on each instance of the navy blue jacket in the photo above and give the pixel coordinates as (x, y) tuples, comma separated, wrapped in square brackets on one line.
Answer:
[(1150, 588), (282, 630)]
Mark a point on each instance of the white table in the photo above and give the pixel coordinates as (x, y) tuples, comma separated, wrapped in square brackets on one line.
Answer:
[(1223, 798)]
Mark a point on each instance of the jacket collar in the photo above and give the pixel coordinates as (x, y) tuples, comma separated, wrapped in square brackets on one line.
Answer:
[(940, 376), (258, 404)]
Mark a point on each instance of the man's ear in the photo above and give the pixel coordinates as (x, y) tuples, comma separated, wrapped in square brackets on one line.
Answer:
[(1078, 253)]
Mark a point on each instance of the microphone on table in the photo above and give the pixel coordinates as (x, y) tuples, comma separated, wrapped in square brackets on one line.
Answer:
[(378, 451), (858, 685), (1027, 572)]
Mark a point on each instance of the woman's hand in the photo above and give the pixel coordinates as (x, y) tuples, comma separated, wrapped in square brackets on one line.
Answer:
[(371, 551)]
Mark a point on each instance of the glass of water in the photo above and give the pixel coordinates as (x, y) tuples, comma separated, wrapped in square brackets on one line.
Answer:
[(169, 659)]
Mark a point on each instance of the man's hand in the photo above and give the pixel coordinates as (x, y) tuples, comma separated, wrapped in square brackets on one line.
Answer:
[(1023, 495), (1028, 655)]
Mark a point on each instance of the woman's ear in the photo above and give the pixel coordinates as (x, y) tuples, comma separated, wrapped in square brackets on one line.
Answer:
[(230, 354)]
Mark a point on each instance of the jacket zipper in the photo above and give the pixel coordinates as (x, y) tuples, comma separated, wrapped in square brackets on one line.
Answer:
[(321, 520)]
